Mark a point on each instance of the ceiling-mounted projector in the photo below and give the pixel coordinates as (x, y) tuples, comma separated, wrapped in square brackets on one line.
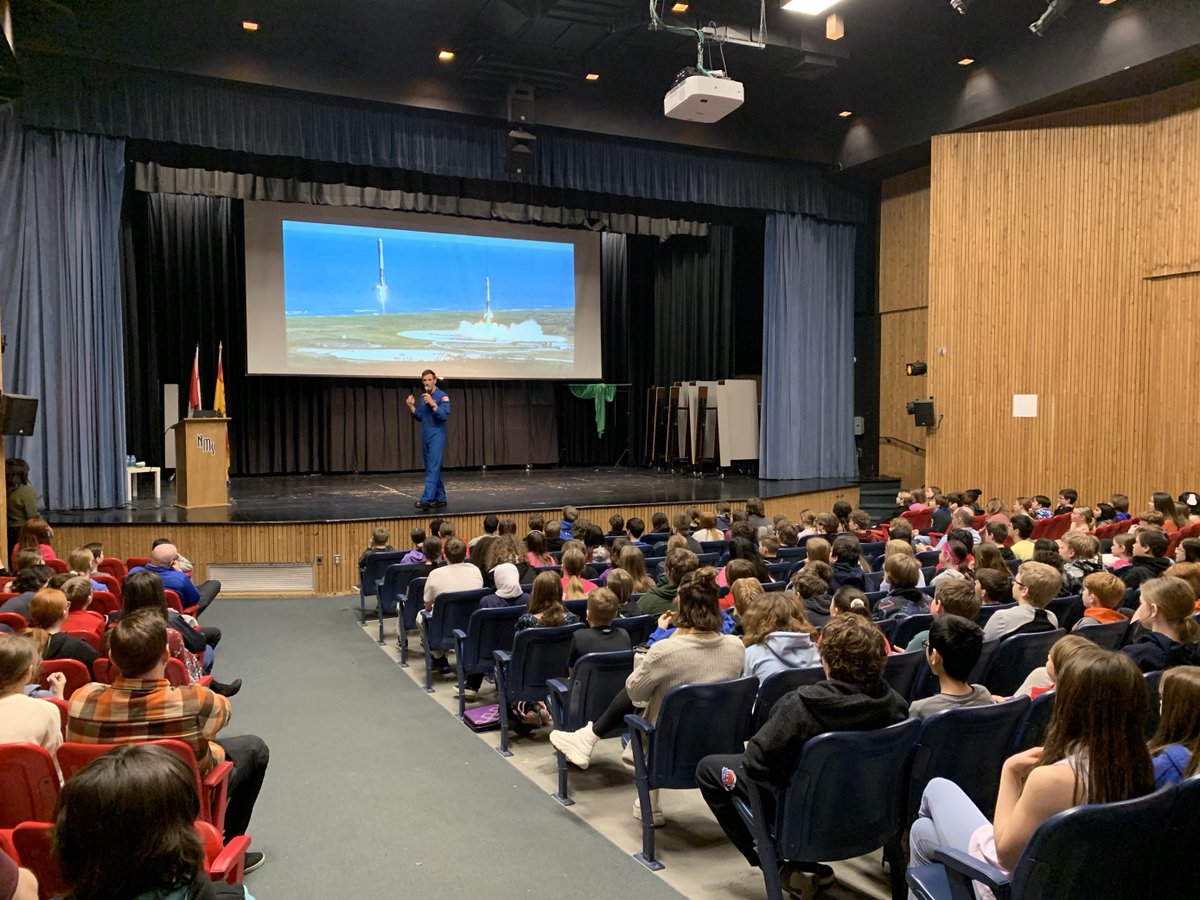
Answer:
[(703, 98)]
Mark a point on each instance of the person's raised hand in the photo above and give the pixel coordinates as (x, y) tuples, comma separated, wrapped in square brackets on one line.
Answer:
[(57, 682), (412, 404)]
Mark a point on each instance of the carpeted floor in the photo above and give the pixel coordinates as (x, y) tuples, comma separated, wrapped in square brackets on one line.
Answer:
[(375, 791)]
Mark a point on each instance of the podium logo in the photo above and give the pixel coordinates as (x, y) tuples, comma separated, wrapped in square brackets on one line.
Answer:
[(205, 445)]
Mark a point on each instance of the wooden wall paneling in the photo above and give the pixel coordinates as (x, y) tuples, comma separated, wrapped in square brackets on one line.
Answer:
[(302, 542), (902, 339), (1041, 238)]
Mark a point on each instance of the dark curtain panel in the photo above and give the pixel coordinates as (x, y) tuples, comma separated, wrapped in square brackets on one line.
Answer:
[(206, 112), (184, 284), (693, 308), (807, 423), (60, 202)]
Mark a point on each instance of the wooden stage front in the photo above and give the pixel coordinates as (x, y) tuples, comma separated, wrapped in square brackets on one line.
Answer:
[(297, 520)]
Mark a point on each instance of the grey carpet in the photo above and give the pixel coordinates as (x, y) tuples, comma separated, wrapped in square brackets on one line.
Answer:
[(373, 791)]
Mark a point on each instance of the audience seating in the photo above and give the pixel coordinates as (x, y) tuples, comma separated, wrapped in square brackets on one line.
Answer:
[(105, 602), (967, 746), (655, 537), (707, 559), (920, 519), (792, 553), (28, 784), (1110, 635), (775, 687), (105, 670), (908, 627), (595, 681), (1067, 610), (5, 581), (110, 565), (370, 574), (1015, 658), (88, 637), (451, 611), (1013, 564), (110, 584), (76, 673), (63, 708), (779, 570), (132, 563), (13, 620), (1032, 732), (772, 586), (223, 862), (58, 565), (1187, 531), (414, 602), (538, 654), (716, 547), (842, 800), (694, 721), (928, 558), (874, 580), (487, 631), (390, 587), (986, 612), (1153, 713), (1083, 852), (900, 670), (538, 570), (34, 844), (173, 601), (577, 606), (639, 627), (1053, 527), (213, 788)]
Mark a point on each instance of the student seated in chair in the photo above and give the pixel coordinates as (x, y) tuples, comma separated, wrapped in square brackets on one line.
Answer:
[(952, 650), (1102, 595), (601, 636), (853, 698), (1034, 586), (1170, 635), (955, 598), (1149, 557)]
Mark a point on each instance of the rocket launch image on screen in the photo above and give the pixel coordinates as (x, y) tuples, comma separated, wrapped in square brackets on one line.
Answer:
[(362, 296)]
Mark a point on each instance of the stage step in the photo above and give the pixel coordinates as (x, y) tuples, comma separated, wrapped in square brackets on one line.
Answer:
[(878, 497), (263, 578)]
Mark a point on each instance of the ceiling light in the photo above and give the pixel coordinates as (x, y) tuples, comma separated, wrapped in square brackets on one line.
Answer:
[(808, 7), (845, 114), (247, 25), (679, 8), (835, 28), (1107, 2), (966, 61), (961, 6), (592, 76), (445, 55)]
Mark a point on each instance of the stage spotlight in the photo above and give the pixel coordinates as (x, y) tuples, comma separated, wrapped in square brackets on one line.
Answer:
[(915, 368), (1054, 11), (961, 6)]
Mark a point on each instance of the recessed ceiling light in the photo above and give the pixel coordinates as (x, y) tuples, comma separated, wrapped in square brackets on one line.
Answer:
[(808, 7), (679, 8), (966, 61), (845, 114), (592, 76), (1107, 2), (445, 55), (247, 25)]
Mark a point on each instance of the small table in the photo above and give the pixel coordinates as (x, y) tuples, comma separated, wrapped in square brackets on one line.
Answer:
[(131, 482)]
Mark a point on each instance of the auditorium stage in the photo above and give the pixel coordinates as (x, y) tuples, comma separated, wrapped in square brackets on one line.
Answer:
[(302, 534)]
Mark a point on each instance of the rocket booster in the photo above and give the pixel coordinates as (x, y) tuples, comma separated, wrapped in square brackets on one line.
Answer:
[(381, 281)]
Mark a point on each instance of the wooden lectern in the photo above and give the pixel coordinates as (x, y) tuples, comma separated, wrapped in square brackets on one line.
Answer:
[(201, 460)]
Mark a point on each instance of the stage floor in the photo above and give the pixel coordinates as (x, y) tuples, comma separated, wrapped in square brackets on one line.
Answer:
[(324, 498)]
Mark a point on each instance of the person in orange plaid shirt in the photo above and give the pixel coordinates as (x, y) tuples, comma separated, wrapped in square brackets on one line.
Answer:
[(144, 706)]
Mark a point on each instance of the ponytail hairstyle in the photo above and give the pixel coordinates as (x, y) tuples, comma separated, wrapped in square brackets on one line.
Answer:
[(955, 554), (699, 606), (1176, 602), (573, 564), (850, 599)]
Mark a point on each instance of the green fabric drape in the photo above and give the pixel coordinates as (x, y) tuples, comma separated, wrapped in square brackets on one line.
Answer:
[(601, 393)]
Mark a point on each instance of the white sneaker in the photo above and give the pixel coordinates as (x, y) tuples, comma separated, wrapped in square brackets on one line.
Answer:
[(576, 746), (656, 813)]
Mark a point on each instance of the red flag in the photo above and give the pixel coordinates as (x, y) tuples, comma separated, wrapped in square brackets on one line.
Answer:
[(194, 388)]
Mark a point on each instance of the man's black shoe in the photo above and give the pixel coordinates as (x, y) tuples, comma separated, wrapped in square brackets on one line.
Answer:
[(254, 860), (437, 504), (422, 504)]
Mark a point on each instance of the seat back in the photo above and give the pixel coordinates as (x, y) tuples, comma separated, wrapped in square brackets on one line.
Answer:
[(779, 570), (920, 519), (1085, 851), (1052, 527), (132, 563), (1153, 680), (1110, 635), (928, 558), (1032, 732), (986, 652), (578, 606), (74, 757), (105, 669), (105, 602), (1016, 657), (488, 630), (59, 566), (986, 612), (707, 559), (909, 627), (900, 670), (1176, 880), (717, 547), (372, 571), (110, 582), (779, 684), (395, 585), (843, 799), (110, 565), (173, 601), (13, 620), (639, 627), (1187, 531), (967, 746), (1067, 610), (28, 784), (792, 553), (695, 721), (414, 601), (1013, 564), (87, 636), (538, 654), (595, 681), (450, 611), (176, 673), (35, 847), (73, 670)]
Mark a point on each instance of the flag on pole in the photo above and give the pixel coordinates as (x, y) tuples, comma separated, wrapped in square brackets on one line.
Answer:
[(219, 399), (194, 388)]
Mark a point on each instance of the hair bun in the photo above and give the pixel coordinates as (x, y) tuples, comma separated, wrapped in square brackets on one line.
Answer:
[(857, 603)]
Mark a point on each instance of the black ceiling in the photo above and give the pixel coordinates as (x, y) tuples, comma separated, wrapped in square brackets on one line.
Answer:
[(896, 67)]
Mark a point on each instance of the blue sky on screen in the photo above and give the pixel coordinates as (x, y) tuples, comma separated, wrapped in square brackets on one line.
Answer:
[(333, 269)]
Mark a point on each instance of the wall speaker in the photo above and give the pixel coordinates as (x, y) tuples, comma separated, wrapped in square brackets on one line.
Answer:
[(520, 104), (922, 412), (519, 159), (17, 414)]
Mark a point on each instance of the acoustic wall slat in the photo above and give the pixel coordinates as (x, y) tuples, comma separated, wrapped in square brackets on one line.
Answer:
[(1042, 235), (303, 542)]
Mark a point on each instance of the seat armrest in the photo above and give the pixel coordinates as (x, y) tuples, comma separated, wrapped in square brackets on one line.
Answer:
[(216, 787), (637, 723), (230, 864), (502, 657), (964, 865), (558, 687)]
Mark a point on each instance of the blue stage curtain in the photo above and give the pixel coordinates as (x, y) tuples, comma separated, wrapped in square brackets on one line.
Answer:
[(61, 287), (207, 112), (807, 425)]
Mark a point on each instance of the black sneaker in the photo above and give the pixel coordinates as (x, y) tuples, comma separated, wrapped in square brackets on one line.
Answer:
[(421, 504), (442, 666), (437, 504), (254, 860)]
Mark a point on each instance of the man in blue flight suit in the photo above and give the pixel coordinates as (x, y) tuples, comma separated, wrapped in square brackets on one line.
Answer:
[(434, 411)]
